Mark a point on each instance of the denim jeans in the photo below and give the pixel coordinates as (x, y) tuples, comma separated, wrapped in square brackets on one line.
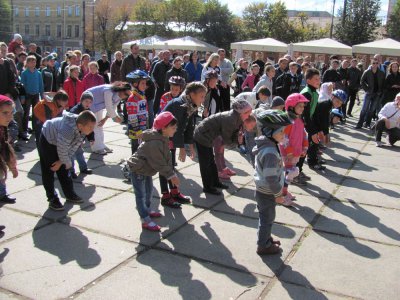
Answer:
[(143, 188), (370, 105), (266, 211), (80, 159), (3, 191), (249, 138)]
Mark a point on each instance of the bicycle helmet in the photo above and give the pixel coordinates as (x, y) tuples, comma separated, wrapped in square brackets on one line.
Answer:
[(337, 113), (137, 75), (121, 86), (272, 120), (177, 80), (293, 99), (211, 74), (341, 95)]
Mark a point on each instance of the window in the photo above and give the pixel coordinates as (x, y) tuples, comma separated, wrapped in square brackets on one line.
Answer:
[(69, 31), (77, 10), (48, 11), (37, 11), (16, 12), (17, 28), (26, 11), (59, 31), (27, 29), (69, 11), (58, 11), (76, 30), (47, 30), (37, 30)]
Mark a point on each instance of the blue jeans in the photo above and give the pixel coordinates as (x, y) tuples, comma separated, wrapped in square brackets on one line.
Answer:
[(150, 105), (3, 191), (143, 188), (371, 103), (80, 159), (266, 211), (250, 137)]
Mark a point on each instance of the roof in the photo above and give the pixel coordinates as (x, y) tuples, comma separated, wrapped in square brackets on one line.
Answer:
[(383, 47), (323, 46), (267, 44), (309, 13), (145, 44), (185, 43)]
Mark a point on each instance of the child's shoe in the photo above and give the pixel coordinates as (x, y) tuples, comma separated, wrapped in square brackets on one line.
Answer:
[(75, 199), (155, 214), (303, 176), (299, 181), (317, 167), (151, 226), (178, 196), (286, 202), (55, 204), (167, 200), (290, 196), (228, 171), (273, 249), (87, 171), (224, 176)]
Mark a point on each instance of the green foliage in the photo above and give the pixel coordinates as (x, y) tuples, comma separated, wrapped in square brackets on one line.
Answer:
[(5, 24), (393, 24), (360, 22), (254, 17)]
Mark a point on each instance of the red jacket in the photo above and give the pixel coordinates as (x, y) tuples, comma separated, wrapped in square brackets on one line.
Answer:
[(74, 89)]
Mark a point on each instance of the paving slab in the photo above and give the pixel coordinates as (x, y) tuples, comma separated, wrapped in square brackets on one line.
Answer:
[(118, 217), (363, 221), (375, 160), (31, 167), (346, 266), (375, 193), (385, 175), (301, 214), (386, 151), (5, 295), (231, 241), (172, 277), (61, 260), (24, 181), (108, 176)]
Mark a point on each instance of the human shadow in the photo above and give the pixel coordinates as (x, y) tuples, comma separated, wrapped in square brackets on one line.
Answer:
[(366, 186), (68, 243)]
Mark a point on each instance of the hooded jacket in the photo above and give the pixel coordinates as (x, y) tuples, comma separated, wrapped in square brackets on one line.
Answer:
[(152, 156)]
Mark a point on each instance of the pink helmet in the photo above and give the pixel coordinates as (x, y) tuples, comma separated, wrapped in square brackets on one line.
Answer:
[(293, 99)]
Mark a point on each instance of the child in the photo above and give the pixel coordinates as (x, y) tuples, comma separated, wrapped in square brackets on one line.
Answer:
[(85, 104), (295, 143), (278, 103), (93, 78), (152, 156), (137, 109), (47, 110), (269, 175), (59, 140), (73, 86), (252, 79), (34, 90), (267, 79), (7, 156), (261, 97), (176, 87), (325, 92)]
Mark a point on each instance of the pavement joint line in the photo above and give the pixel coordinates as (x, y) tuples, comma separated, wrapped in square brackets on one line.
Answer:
[(14, 294), (364, 204)]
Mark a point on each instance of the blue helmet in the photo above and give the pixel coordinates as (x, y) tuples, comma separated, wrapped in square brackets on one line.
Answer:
[(337, 113), (341, 95), (137, 75)]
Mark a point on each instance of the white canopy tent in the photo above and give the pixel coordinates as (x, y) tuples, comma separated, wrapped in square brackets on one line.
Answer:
[(185, 43), (384, 47), (267, 44), (145, 44), (323, 46)]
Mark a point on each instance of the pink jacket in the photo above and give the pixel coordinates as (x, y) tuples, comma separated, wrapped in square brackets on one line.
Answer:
[(250, 81), (296, 140), (91, 80)]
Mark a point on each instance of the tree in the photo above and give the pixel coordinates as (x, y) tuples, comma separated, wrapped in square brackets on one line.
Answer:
[(360, 22), (305, 31), (255, 21), (5, 17), (151, 14), (393, 24), (185, 13), (278, 23)]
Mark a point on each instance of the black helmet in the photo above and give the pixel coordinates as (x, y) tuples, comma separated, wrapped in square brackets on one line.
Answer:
[(271, 120), (177, 80)]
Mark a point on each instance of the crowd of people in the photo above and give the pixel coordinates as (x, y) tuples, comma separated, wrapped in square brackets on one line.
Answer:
[(279, 118)]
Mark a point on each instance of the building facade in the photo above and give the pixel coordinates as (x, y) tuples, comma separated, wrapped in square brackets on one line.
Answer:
[(54, 25), (322, 19)]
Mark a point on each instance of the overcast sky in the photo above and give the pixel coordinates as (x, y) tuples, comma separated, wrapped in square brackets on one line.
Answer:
[(237, 6)]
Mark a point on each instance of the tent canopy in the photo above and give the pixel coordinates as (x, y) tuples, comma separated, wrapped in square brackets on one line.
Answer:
[(145, 44), (383, 47), (267, 44), (185, 43), (323, 46)]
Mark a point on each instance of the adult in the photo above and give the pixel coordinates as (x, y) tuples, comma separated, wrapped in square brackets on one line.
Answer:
[(332, 74), (381, 65), (84, 68), (372, 82), (50, 75), (176, 70), (279, 70), (158, 75), (106, 96), (104, 67), (32, 48), (259, 61), (116, 67), (132, 62), (194, 67), (392, 83), (16, 41), (389, 121), (289, 82), (226, 70), (344, 83), (7, 78), (206, 57), (240, 76), (211, 64), (354, 80)]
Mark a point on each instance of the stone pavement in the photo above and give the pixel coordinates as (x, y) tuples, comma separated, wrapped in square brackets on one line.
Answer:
[(340, 241)]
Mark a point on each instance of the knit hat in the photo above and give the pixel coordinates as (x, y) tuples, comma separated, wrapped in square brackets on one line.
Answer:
[(162, 120), (17, 36), (5, 99), (241, 106), (277, 101), (87, 95)]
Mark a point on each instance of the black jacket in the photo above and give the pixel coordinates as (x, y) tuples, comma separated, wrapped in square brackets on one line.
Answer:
[(321, 117), (390, 93), (287, 84), (354, 77), (160, 72), (367, 81), (50, 76), (331, 75), (7, 79)]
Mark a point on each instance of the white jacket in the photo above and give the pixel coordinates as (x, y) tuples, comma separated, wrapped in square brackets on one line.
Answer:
[(387, 111)]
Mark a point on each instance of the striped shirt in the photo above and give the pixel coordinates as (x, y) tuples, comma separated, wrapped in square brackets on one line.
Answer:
[(63, 133)]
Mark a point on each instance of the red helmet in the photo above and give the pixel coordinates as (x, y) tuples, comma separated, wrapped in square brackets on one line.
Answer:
[(293, 99)]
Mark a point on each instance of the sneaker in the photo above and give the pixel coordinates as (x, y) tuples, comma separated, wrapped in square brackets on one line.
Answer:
[(229, 172), (55, 204), (286, 202), (358, 127), (87, 171), (181, 198), (224, 176), (75, 199), (155, 214), (378, 144), (298, 181), (100, 152), (73, 175), (220, 185), (273, 249), (290, 196), (167, 200), (8, 199), (317, 167), (304, 176), (212, 191), (151, 226), (108, 150)]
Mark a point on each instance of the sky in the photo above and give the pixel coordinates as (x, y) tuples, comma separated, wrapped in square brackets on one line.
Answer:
[(237, 6)]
